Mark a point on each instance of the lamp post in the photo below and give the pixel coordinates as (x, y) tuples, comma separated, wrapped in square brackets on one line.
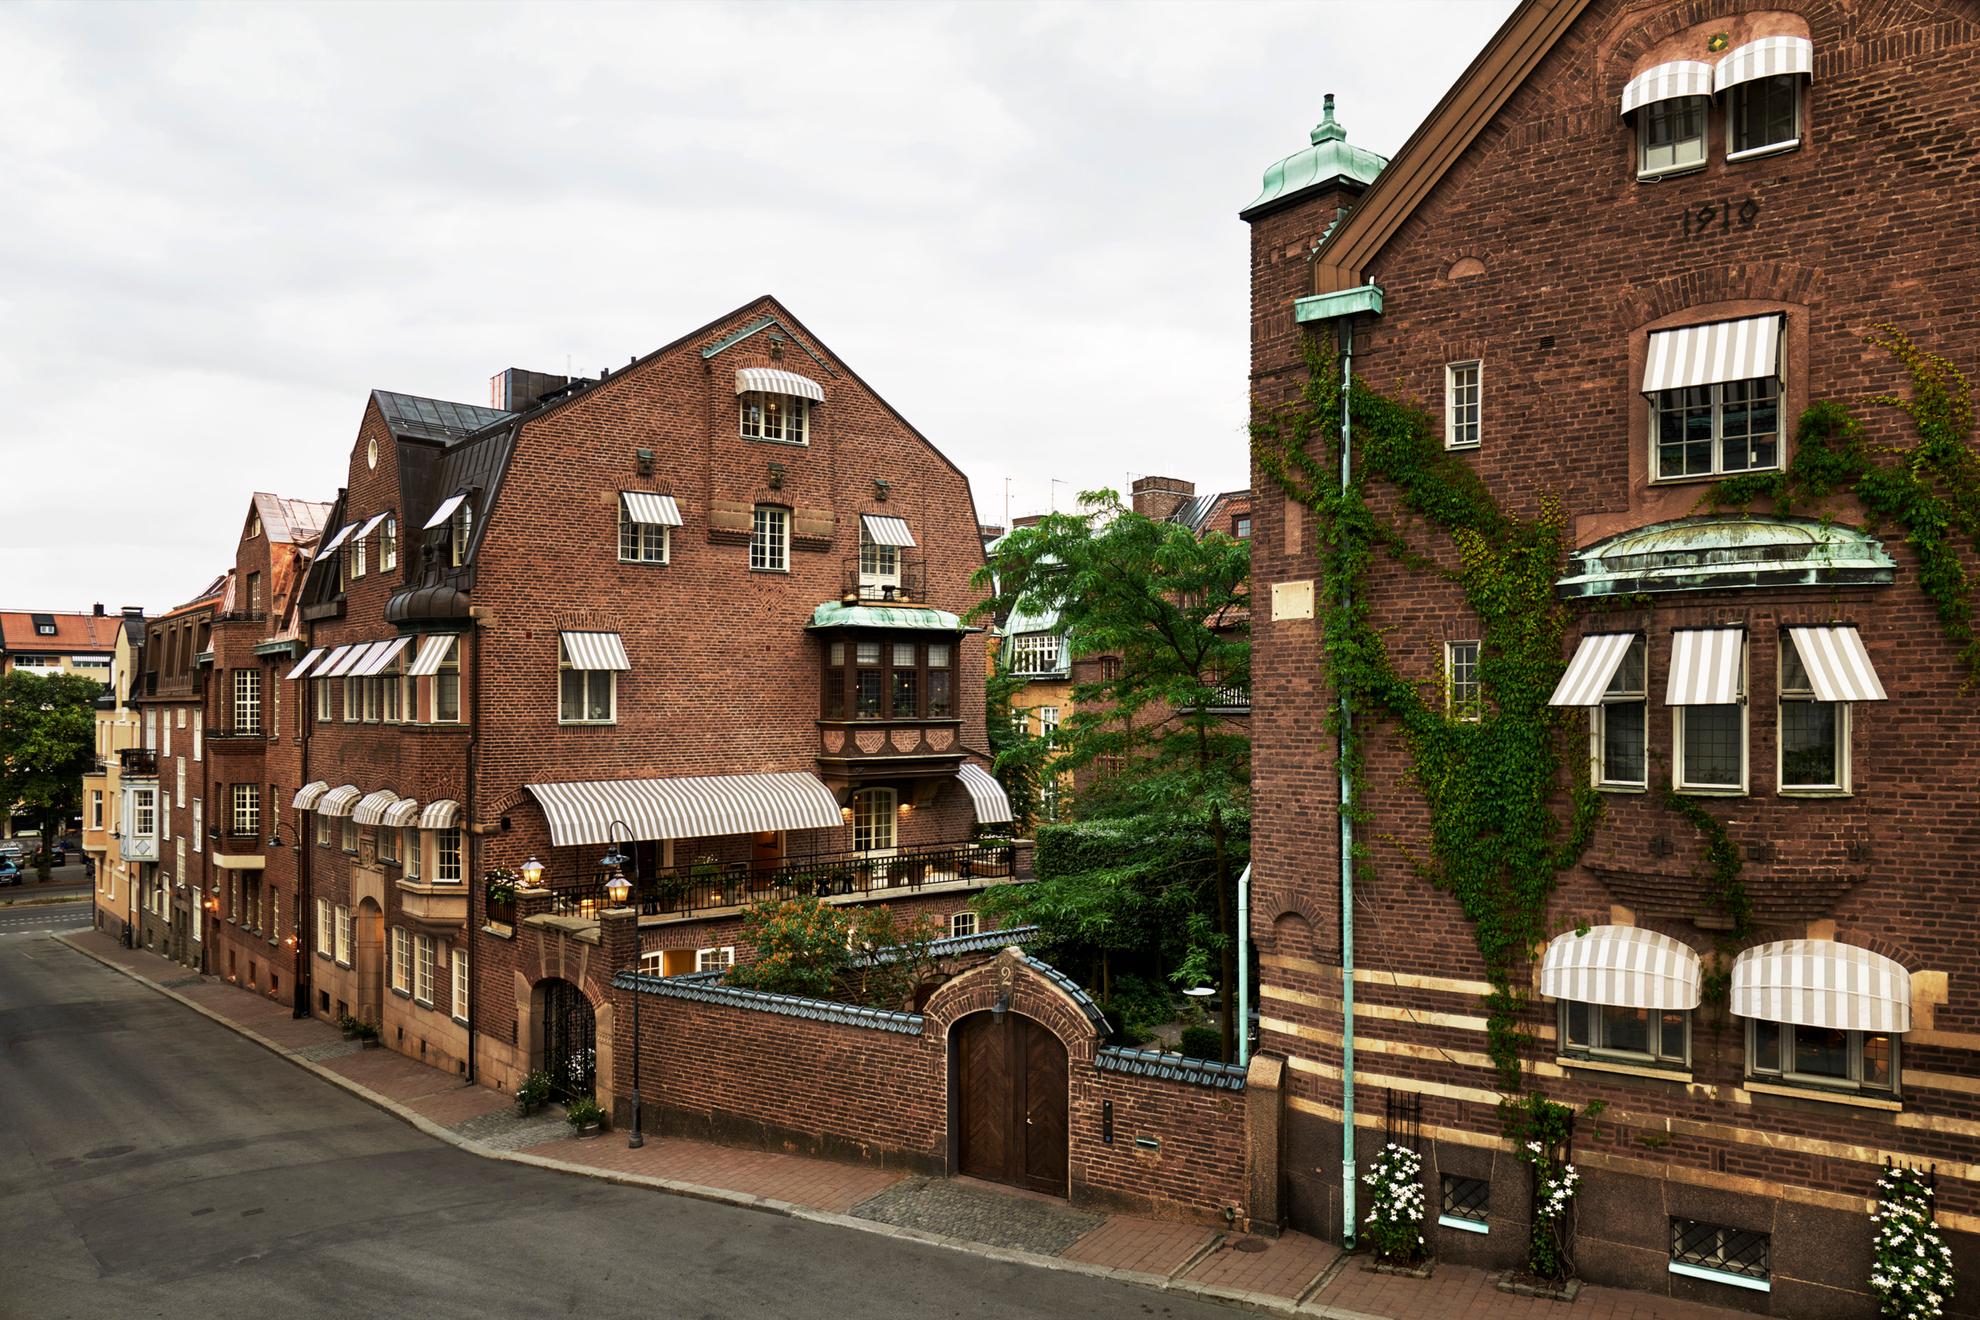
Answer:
[(617, 892), (299, 976)]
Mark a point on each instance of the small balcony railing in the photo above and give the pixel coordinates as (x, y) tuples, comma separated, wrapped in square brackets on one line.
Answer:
[(908, 584), (683, 891), (140, 761), (1235, 696)]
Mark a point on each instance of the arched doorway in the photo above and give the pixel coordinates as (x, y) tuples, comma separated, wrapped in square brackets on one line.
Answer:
[(1010, 1108), (370, 933), (570, 1040)]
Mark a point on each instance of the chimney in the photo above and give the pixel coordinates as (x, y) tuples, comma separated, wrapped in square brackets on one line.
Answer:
[(134, 611), (1027, 520), (516, 388), (1160, 497), (99, 609)]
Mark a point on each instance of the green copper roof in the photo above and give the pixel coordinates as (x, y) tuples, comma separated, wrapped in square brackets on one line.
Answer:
[(1722, 553), (838, 614), (1330, 157), (1342, 302)]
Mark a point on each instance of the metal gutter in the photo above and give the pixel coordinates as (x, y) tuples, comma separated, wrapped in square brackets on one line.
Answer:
[(1344, 335)]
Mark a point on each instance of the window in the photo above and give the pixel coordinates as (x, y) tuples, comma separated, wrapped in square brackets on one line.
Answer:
[(247, 701), (199, 727), (322, 831), (324, 935), (770, 539), (458, 531), (388, 844), (180, 767), (1814, 740), (1640, 1035), (254, 593), (423, 965), (961, 924), (459, 954), (1465, 1203), (391, 688), (353, 700), (401, 960), (446, 857), (585, 696), (144, 812), (1048, 724), (1241, 528), (1462, 382), (782, 417), (1732, 1255), (198, 823), (1620, 727), (1711, 744), (247, 810), (866, 680), (374, 699), (1463, 699), (388, 545), (96, 808), (941, 681), (715, 960), (1037, 653), (447, 686), (904, 693), (343, 935), (1764, 115), (349, 835), (879, 566), (873, 819), (415, 860), (44, 627), (1822, 1057), (1704, 430), (643, 543), (354, 558), (1670, 136), (324, 714)]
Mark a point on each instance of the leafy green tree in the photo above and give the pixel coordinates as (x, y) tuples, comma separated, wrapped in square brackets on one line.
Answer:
[(1017, 756), (1172, 610), (47, 739)]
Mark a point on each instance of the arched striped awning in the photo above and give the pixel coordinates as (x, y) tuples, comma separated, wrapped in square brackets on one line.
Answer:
[(371, 810), (993, 805), (402, 814), (692, 807), (770, 380), (1622, 966), (1667, 82), (442, 815), (1820, 983), (338, 801), (307, 796), (1766, 58)]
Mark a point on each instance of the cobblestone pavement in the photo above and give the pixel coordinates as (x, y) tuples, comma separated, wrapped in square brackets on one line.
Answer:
[(962, 1209), (505, 1129)]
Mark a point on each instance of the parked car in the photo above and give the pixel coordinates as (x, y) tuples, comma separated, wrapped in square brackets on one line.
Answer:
[(14, 850), (10, 871)]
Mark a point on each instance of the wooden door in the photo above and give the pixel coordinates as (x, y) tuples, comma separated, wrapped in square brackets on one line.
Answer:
[(1011, 1102)]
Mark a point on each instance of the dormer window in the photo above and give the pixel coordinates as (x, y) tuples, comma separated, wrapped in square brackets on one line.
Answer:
[(254, 526), (44, 625), (775, 405), (458, 532)]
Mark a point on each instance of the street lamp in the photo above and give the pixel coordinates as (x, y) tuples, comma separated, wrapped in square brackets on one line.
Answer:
[(618, 891)]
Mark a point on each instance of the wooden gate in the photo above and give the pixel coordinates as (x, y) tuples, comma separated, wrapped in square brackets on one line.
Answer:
[(1011, 1100)]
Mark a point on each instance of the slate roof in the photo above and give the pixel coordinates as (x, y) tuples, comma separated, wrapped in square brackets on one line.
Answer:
[(706, 988), (1170, 1068)]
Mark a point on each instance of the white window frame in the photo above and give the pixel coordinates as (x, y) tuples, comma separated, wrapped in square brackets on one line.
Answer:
[(1589, 1042), (144, 812), (347, 834), (1853, 1084), (388, 843), (1048, 724), (199, 733), (344, 936), (1680, 716), (1037, 653), (247, 701), (459, 529), (447, 856), (414, 862), (325, 937), (643, 543), (425, 963), (198, 824), (151, 730), (96, 808), (325, 699), (963, 924), (322, 830), (879, 566), (450, 668), (1464, 392), (1804, 695), (1659, 110), (1718, 468), (876, 821), (179, 767), (391, 691), (587, 679), (401, 974), (244, 800), (353, 699), (1617, 695), (770, 539), (388, 545), (356, 555), (1736, 101), (1461, 658), (783, 419), (715, 959), (458, 1002)]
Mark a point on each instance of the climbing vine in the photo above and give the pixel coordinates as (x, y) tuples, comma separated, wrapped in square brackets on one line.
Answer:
[(1724, 890), (1490, 782)]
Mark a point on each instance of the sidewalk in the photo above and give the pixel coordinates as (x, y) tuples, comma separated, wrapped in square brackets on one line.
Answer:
[(1293, 1274)]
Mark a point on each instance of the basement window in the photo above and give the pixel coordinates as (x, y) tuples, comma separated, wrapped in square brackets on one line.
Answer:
[(1723, 1255)]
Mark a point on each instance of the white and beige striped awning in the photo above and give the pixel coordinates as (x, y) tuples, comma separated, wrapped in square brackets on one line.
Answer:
[(402, 814), (595, 650), (371, 524), (993, 805), (432, 650), (343, 535), (1588, 674), (445, 511), (1622, 966), (1839, 669), (442, 815), (306, 796), (650, 509), (338, 801), (340, 665), (302, 666), (1765, 58), (1708, 667), (1746, 349), (381, 655), (371, 810), (769, 380), (883, 530), (695, 807), (1820, 983), (338, 654), (1667, 82)]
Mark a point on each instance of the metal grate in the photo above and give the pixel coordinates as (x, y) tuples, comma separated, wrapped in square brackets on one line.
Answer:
[(1731, 1250), (1466, 1198)]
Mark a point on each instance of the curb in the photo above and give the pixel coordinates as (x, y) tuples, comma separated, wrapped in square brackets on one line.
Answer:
[(44, 900), (1251, 1301)]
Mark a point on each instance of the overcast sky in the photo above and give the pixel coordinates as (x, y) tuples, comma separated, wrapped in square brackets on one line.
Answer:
[(225, 224)]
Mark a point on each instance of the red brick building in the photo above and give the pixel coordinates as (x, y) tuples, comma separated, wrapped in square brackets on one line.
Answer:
[(1618, 261), (163, 823)]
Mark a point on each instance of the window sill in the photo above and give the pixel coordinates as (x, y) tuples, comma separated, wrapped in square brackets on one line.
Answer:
[(1462, 1225), (1889, 1106), (500, 930), (403, 994), (1755, 153), (458, 1018), (772, 440), (324, 956), (1720, 1276), (1671, 171), (1686, 791), (423, 1003), (1621, 788), (1455, 449), (344, 963), (1649, 1070), (646, 563), (1815, 792), (1700, 478), (754, 569), (586, 724)]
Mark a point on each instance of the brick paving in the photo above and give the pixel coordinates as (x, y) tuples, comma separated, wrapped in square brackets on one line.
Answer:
[(815, 1184), (1286, 1266), (1145, 1246)]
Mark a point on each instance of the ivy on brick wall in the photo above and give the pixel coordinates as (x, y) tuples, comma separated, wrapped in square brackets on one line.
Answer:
[(1725, 890), (1497, 842)]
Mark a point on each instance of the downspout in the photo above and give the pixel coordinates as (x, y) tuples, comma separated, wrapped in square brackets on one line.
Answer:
[(475, 847), (1244, 968), (1344, 334)]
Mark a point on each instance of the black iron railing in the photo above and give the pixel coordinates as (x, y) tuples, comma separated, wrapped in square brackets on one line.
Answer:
[(908, 583), (682, 891), (140, 761)]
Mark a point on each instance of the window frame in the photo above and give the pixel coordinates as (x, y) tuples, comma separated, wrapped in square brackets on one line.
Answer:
[(413, 861), (1718, 470), (715, 958), (1659, 109), (325, 935), (426, 960), (958, 919), (459, 985), (1471, 709), (1680, 719), (1818, 1083), (460, 529), (325, 701), (794, 414), (1594, 1047), (769, 531), (388, 545), (1454, 388), (353, 699), (1840, 716), (866, 817), (1027, 648), (1452, 1212), (1736, 102), (399, 970), (244, 805), (447, 856), (1598, 730), (587, 677), (347, 835), (346, 936), (879, 566), (448, 668), (640, 537)]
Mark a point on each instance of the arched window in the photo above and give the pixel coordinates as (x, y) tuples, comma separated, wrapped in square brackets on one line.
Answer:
[(874, 811)]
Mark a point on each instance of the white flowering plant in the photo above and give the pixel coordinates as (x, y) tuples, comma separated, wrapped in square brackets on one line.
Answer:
[(1911, 1272), (1542, 1130), (1394, 1225)]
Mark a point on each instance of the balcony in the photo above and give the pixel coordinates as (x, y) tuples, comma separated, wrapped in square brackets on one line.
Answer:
[(907, 585), (438, 907), (242, 616), (682, 893), (223, 741), (139, 762), (918, 748)]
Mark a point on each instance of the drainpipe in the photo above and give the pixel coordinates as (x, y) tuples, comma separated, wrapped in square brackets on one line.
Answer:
[(1244, 968), (476, 849), (1344, 334)]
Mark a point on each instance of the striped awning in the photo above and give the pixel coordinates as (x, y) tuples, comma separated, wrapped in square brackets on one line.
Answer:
[(371, 524), (338, 801), (1667, 82), (993, 805), (402, 814), (343, 660), (445, 511), (1746, 349), (1820, 983), (1707, 667), (769, 380), (650, 509), (442, 815), (380, 655), (302, 665), (371, 810), (343, 535), (882, 530), (432, 650), (1621, 966), (307, 795), (1765, 58), (688, 808), (1839, 669), (1588, 674), (595, 650)]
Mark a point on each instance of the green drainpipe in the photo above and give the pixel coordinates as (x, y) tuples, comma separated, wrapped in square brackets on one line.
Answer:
[(1244, 968), (1344, 332)]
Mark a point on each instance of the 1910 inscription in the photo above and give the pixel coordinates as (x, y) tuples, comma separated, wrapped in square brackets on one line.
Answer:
[(1719, 217)]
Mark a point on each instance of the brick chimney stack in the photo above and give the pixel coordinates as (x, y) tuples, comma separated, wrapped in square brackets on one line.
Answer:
[(1159, 497)]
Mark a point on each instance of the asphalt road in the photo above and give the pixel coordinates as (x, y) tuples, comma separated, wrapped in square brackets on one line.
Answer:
[(152, 1163), (43, 918)]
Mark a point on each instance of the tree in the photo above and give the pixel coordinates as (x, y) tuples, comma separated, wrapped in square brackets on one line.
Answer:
[(1017, 756), (47, 739), (1173, 610)]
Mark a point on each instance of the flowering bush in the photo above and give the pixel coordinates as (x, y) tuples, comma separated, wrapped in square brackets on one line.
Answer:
[(1395, 1211), (802, 945), (1553, 1196), (1912, 1273)]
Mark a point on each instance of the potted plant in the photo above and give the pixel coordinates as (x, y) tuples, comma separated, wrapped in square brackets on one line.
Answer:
[(367, 1035), (348, 1025), (585, 1116), (534, 1093)]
